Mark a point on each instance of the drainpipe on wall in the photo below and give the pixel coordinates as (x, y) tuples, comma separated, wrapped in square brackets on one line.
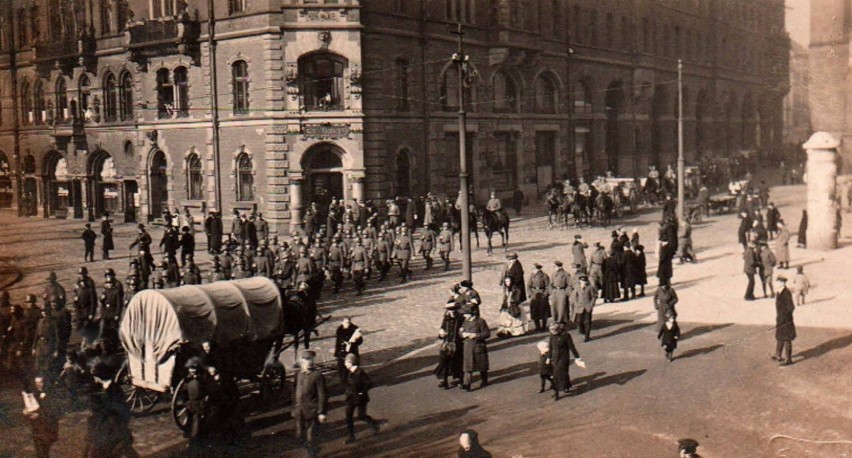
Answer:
[(214, 105)]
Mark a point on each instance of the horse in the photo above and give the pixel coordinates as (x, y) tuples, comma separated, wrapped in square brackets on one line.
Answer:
[(496, 222), (300, 318), (455, 224)]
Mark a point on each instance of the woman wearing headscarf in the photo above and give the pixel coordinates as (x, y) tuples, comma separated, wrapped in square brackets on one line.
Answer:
[(512, 316)]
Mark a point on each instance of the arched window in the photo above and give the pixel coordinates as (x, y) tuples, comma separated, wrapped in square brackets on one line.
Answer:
[(505, 94), (128, 148), (582, 98), (546, 98), (85, 94), (125, 97), (240, 85), (194, 178), (38, 103), (26, 103), (322, 81), (402, 69), (110, 99), (61, 103), (245, 178), (29, 166), (165, 94), (181, 78)]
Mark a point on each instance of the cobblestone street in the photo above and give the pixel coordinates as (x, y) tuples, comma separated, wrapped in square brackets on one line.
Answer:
[(722, 389)]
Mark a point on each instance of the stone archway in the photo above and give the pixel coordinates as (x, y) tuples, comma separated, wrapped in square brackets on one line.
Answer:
[(55, 185), (158, 184), (323, 170), (102, 185)]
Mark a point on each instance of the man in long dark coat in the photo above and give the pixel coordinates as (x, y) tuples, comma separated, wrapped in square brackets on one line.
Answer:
[(559, 294), (475, 332), (785, 328), (561, 348), (213, 228), (538, 286), (751, 262), (309, 401), (106, 232)]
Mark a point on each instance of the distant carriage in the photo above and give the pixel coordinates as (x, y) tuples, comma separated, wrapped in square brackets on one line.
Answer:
[(243, 320)]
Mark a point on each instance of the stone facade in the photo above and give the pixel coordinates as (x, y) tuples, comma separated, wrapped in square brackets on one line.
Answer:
[(320, 99), (797, 113)]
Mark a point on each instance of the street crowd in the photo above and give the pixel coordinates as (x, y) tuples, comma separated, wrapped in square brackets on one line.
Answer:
[(357, 241)]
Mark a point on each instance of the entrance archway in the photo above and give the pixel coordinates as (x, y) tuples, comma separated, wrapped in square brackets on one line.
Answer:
[(158, 183), (323, 166), (55, 185), (103, 187)]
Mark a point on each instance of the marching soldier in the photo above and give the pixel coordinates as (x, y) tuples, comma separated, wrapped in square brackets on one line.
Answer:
[(359, 264), (382, 255), (187, 244), (538, 285), (191, 274), (226, 261), (111, 308), (427, 244), (445, 245), (262, 266), (403, 253), (240, 271), (305, 266), (89, 237), (335, 264), (582, 304), (369, 249), (216, 274)]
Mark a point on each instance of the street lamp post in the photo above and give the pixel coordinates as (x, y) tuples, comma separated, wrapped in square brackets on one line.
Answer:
[(680, 160), (461, 62)]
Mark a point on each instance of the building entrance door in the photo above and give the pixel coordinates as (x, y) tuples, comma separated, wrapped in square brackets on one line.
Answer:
[(158, 183)]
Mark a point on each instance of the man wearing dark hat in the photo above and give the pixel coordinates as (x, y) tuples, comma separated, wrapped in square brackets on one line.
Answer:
[(54, 290), (785, 328), (143, 239), (474, 332), (687, 448), (582, 303), (309, 400), (348, 340), (26, 333), (450, 355), (358, 257), (358, 385), (112, 304), (335, 264), (108, 427), (751, 263), (43, 418), (106, 232), (596, 266), (89, 237), (469, 295), (559, 294), (445, 244), (514, 270), (404, 246), (214, 230), (538, 286)]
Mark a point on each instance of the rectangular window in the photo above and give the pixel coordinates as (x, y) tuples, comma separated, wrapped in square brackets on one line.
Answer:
[(240, 87), (402, 71), (505, 160), (181, 80)]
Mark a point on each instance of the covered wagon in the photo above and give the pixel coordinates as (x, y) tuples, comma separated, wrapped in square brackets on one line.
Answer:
[(242, 320)]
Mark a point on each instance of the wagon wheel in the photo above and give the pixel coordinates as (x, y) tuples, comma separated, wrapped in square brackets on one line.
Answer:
[(272, 383), (180, 408), (139, 400)]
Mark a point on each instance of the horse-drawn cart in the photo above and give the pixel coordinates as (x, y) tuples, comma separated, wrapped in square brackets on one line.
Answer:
[(242, 320)]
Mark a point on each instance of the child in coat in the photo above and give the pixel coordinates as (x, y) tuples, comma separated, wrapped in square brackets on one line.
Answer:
[(801, 285), (545, 367), (669, 335)]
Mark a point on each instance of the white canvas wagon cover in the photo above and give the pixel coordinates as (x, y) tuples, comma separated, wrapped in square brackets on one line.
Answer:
[(226, 313)]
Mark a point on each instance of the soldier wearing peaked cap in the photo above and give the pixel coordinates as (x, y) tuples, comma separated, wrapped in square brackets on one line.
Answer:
[(310, 401)]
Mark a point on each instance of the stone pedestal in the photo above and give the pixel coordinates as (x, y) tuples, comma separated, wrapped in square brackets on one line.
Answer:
[(822, 191)]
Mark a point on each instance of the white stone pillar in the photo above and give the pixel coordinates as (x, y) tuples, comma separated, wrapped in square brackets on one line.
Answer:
[(822, 186), (296, 202)]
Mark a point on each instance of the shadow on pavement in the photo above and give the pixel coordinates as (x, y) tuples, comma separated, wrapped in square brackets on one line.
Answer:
[(699, 351), (825, 347), (624, 330), (701, 330), (596, 380)]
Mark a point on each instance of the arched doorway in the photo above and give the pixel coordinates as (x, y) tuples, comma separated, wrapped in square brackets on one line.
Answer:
[(323, 166), (29, 188), (158, 183), (403, 173), (612, 105), (5, 182), (56, 189), (104, 190)]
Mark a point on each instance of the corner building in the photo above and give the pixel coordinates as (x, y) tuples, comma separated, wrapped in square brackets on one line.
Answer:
[(108, 105)]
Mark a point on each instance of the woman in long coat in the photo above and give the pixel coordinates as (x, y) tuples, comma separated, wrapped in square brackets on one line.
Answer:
[(561, 348), (106, 232), (475, 332), (450, 355), (782, 246), (610, 278)]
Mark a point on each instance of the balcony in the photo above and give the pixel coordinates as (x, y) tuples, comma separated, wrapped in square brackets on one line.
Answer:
[(66, 52), (163, 37)]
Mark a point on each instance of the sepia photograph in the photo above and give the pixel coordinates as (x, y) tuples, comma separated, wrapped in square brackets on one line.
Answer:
[(425, 228)]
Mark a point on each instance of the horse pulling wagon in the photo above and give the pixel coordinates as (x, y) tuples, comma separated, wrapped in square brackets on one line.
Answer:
[(241, 323)]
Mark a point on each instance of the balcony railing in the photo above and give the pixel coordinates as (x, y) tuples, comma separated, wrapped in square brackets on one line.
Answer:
[(162, 37)]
